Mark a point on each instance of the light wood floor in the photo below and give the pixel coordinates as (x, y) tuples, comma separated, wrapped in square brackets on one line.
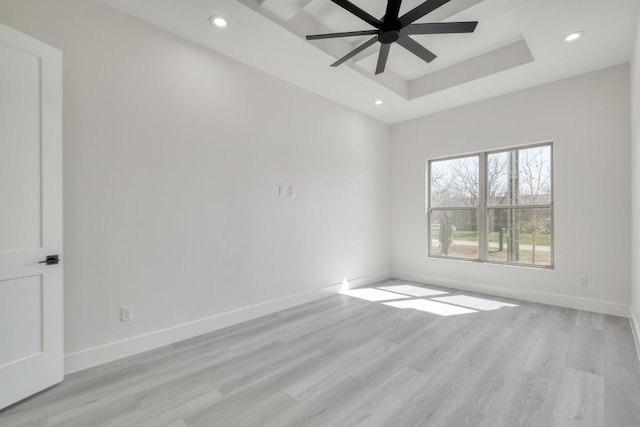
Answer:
[(417, 357)]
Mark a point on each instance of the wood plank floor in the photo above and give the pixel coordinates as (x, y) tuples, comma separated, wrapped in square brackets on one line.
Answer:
[(394, 354)]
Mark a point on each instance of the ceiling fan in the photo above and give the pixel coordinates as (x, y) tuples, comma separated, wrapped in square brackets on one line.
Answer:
[(394, 28)]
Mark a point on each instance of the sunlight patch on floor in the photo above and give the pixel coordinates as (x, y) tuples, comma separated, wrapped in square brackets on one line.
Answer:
[(429, 306), (372, 294), (414, 291), (407, 296), (482, 304)]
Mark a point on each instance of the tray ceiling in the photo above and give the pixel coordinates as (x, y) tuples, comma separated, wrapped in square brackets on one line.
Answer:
[(517, 44)]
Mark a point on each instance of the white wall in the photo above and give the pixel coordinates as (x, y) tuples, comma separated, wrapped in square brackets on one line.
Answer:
[(635, 187), (587, 117), (173, 156)]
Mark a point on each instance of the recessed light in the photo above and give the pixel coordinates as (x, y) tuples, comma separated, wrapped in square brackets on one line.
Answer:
[(379, 102), (218, 21), (574, 36)]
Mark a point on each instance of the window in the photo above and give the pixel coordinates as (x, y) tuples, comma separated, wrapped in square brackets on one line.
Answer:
[(493, 206)]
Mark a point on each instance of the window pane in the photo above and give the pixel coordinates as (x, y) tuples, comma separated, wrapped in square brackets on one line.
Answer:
[(520, 177), (454, 233), (520, 236), (455, 182)]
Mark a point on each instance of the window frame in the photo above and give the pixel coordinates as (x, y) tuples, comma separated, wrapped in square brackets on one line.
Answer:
[(483, 207)]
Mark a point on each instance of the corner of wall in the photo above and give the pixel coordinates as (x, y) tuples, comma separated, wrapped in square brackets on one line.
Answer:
[(634, 308), (635, 328)]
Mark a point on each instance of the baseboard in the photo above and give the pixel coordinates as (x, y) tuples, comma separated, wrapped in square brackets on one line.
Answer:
[(109, 352), (596, 306), (635, 328)]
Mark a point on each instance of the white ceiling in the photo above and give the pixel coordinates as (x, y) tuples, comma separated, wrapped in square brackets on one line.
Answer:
[(517, 44)]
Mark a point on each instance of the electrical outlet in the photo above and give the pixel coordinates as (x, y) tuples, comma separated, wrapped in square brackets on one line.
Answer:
[(292, 191), (583, 281), (126, 313), (281, 190)]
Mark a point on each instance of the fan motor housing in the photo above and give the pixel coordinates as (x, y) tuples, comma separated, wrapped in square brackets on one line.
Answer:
[(387, 37)]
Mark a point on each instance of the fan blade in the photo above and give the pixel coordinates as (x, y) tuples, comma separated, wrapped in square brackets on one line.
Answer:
[(393, 9), (441, 28), (382, 57), (347, 34), (355, 10), (420, 10), (416, 48), (355, 51)]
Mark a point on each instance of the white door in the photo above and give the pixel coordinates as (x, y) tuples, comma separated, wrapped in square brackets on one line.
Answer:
[(31, 317)]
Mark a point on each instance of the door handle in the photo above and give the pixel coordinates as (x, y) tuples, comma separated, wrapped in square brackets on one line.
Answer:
[(50, 260)]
